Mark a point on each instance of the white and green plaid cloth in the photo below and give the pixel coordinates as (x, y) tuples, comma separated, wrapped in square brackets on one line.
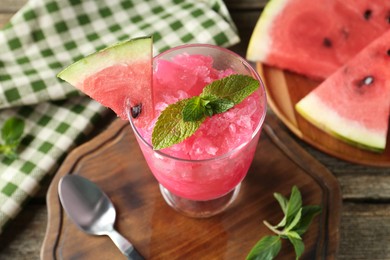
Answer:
[(47, 35)]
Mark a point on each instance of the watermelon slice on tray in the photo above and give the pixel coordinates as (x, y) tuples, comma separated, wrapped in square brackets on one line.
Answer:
[(298, 44), (315, 38), (354, 102), (115, 75)]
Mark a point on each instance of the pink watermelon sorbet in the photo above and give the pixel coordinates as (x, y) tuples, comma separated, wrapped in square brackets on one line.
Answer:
[(186, 76), (214, 160)]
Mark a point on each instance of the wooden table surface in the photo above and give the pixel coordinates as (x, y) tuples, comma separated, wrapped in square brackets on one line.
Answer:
[(365, 217)]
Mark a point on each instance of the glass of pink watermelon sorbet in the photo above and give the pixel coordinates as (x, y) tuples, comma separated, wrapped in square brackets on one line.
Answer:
[(202, 175)]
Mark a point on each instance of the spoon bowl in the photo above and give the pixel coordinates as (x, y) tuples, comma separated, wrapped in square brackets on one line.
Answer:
[(92, 211)]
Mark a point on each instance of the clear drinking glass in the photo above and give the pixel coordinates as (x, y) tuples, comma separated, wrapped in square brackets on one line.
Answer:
[(204, 187)]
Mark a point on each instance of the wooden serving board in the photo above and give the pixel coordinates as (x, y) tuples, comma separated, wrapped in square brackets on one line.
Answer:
[(284, 90), (113, 160)]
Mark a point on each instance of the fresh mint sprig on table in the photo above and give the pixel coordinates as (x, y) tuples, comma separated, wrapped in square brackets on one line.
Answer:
[(296, 221), (11, 134), (180, 120)]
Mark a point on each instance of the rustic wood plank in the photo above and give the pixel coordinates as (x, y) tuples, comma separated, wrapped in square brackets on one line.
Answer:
[(11, 6), (245, 21), (24, 236), (245, 4), (357, 182), (365, 187), (365, 231), (4, 18)]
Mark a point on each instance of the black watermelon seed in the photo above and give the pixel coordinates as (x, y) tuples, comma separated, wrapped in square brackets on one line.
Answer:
[(388, 52), (367, 14), (327, 42), (136, 110)]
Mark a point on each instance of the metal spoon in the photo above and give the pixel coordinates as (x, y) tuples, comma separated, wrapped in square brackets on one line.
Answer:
[(92, 211)]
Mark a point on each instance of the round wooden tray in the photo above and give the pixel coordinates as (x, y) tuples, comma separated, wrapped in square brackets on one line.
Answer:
[(114, 161), (284, 90)]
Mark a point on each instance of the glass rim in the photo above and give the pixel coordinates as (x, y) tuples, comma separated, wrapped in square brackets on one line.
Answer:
[(227, 154)]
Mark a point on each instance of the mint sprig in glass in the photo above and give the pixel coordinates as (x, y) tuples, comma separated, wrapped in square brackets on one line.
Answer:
[(181, 119)]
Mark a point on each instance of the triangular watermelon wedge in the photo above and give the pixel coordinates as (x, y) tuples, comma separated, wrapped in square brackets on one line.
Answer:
[(116, 75), (354, 103), (315, 38)]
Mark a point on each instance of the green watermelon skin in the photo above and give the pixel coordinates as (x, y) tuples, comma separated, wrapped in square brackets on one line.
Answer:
[(117, 75), (354, 103), (314, 38)]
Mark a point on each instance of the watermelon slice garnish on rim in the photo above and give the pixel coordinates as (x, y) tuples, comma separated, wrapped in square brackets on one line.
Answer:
[(117, 75)]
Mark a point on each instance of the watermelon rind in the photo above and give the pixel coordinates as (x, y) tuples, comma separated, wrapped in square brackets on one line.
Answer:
[(260, 41), (117, 76), (133, 49), (325, 118)]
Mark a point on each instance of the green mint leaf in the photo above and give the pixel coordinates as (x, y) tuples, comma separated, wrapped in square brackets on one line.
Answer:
[(205, 101), (221, 105), (12, 130), (294, 204), (299, 246), (11, 133), (198, 107), (308, 213), (170, 127), (180, 120), (194, 109), (8, 151), (282, 223), (234, 87), (283, 201), (292, 234), (265, 249), (294, 221), (289, 206)]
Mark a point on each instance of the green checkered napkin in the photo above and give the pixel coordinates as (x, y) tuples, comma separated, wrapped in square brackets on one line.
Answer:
[(47, 35)]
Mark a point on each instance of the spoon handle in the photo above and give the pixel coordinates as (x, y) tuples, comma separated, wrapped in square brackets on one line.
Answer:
[(124, 246)]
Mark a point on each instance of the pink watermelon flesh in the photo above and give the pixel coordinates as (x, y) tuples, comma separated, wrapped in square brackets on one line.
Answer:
[(113, 85), (315, 38), (354, 103), (116, 76), (186, 72), (376, 12)]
